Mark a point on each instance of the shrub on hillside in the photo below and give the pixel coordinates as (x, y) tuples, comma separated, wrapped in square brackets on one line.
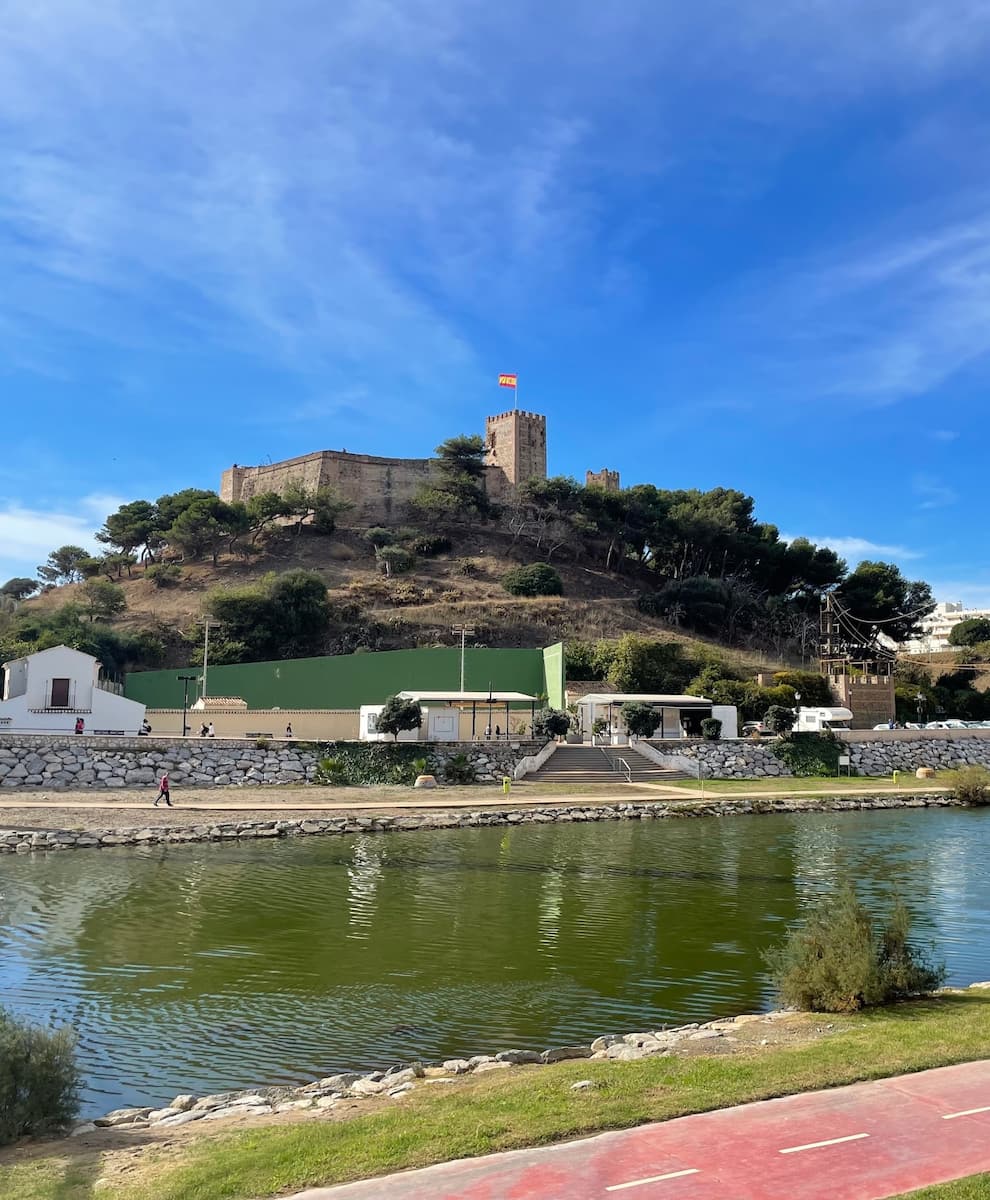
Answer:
[(841, 960), (536, 579), (39, 1080), (971, 785), (164, 575), (430, 544), (379, 536), (394, 560)]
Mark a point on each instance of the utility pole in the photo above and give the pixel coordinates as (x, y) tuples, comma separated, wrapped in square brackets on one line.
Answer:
[(207, 623), (465, 631)]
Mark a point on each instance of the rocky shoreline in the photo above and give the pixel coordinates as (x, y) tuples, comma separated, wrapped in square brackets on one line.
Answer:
[(22, 841), (327, 1093), (349, 1085)]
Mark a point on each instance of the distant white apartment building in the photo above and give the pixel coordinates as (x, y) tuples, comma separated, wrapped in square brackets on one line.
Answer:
[(936, 627)]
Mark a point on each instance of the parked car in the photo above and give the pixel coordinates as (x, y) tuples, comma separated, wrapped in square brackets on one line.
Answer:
[(757, 727)]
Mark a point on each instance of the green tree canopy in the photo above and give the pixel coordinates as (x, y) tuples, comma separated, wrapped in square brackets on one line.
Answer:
[(281, 616), (132, 526), (103, 599), (551, 723), (640, 719), (878, 599), (779, 719), (458, 489), (19, 588), (399, 715), (970, 632), (64, 565)]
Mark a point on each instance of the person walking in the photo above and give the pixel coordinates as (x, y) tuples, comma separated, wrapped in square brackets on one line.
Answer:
[(163, 791), (80, 725), (288, 731), (211, 732), (203, 731)]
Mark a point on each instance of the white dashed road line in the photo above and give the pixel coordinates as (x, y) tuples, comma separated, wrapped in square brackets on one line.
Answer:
[(853, 1137), (618, 1187), (966, 1113)]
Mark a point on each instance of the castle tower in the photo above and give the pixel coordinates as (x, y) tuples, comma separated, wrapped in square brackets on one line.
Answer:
[(605, 479), (516, 444)]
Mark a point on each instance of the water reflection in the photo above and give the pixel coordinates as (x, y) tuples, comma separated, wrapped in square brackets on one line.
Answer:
[(207, 967)]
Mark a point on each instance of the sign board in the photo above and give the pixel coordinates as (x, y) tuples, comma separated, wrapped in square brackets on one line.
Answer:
[(843, 760)]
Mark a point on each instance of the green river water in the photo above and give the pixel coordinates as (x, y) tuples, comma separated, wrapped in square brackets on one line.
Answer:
[(201, 968)]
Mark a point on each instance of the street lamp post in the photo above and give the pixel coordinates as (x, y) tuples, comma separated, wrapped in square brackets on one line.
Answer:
[(465, 631), (185, 680)]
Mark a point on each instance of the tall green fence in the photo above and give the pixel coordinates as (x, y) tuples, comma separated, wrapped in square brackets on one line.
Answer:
[(350, 680)]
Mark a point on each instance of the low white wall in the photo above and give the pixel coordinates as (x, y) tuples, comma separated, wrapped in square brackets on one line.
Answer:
[(533, 762)]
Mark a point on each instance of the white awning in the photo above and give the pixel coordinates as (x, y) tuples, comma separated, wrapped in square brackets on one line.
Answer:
[(468, 697), (660, 701)]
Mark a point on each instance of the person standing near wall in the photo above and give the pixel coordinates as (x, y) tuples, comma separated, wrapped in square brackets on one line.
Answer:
[(211, 732), (80, 725)]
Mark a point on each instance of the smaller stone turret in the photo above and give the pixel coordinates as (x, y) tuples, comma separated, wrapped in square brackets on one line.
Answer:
[(605, 479)]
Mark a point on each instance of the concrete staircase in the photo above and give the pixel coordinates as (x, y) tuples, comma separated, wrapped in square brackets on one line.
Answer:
[(599, 764)]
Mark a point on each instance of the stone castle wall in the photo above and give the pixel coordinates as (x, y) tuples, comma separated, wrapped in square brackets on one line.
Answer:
[(380, 488), (377, 487)]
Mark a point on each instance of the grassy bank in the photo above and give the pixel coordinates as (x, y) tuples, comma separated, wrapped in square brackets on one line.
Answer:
[(976, 1187), (501, 1110), (833, 785)]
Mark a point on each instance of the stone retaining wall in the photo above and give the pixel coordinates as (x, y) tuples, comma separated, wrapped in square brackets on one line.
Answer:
[(35, 762), (744, 759), (23, 841)]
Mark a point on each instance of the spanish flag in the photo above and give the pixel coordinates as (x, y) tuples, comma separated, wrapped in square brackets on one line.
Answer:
[(508, 381)]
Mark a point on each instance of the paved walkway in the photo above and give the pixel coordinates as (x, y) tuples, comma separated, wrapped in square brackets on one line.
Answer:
[(264, 798), (862, 1142)]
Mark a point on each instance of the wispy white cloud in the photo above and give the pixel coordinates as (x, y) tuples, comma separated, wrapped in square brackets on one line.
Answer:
[(972, 592), (944, 435), (327, 186), (933, 492), (28, 535), (855, 549)]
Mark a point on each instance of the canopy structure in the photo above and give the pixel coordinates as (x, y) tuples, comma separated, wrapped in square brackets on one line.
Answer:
[(486, 701), (674, 713), (646, 698)]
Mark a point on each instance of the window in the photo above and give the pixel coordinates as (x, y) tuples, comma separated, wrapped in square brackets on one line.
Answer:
[(60, 693)]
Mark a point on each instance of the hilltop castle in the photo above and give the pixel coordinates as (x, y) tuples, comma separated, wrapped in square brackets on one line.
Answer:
[(515, 450)]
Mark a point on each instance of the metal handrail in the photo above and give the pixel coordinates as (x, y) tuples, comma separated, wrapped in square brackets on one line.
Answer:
[(613, 762)]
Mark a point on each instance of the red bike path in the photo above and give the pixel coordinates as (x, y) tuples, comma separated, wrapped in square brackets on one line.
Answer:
[(862, 1142)]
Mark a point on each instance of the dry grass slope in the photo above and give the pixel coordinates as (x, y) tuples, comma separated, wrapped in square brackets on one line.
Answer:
[(416, 608)]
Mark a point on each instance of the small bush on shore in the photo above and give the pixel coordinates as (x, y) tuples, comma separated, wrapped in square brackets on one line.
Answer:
[(39, 1080), (841, 960), (971, 785)]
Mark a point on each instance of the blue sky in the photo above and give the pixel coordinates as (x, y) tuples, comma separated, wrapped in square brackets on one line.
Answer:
[(738, 244)]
